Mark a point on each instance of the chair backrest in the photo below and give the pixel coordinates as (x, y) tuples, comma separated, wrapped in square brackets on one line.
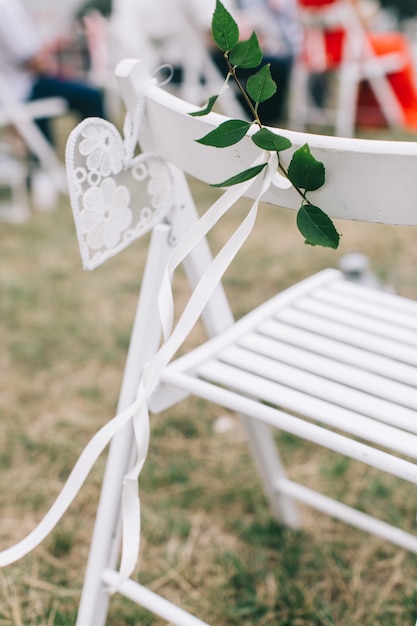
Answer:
[(138, 30), (366, 180), (22, 116)]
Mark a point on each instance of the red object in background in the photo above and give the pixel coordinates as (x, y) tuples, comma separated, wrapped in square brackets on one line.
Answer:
[(403, 82)]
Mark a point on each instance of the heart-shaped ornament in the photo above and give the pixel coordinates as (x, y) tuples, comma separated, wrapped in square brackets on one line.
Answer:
[(115, 198)]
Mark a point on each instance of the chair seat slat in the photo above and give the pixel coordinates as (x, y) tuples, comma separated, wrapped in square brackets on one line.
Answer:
[(358, 321), (388, 300), (373, 310), (352, 376), (364, 338), (300, 401), (319, 387), (339, 351)]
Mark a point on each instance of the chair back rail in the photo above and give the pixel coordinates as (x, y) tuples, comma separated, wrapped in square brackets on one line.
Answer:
[(360, 173)]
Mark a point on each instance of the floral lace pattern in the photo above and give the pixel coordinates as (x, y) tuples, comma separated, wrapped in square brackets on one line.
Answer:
[(115, 199)]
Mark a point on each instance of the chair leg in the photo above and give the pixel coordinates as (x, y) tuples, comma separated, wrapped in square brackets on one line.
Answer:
[(298, 99), (106, 538), (387, 101), (347, 100), (45, 152), (271, 470), (144, 342)]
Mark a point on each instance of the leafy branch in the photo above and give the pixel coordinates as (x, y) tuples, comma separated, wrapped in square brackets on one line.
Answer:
[(304, 171)]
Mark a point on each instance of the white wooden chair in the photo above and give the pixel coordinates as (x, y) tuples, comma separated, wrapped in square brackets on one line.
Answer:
[(359, 62), (200, 76), (22, 117), (327, 360)]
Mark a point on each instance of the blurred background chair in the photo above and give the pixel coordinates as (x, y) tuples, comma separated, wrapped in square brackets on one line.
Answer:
[(373, 74), (327, 360), (35, 89), (164, 32), (22, 117), (14, 196)]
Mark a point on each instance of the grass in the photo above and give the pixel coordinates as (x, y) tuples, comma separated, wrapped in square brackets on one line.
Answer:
[(209, 542)]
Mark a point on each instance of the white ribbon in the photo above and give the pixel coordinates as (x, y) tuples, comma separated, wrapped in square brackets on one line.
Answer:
[(132, 123), (173, 339)]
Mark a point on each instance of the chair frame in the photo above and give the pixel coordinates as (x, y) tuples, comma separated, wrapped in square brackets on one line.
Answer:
[(166, 122), (22, 116)]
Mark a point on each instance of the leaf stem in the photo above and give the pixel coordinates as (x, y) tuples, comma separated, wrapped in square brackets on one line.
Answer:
[(232, 72), (285, 172), (254, 111)]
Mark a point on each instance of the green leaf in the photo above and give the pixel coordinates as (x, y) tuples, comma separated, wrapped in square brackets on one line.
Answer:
[(224, 29), (242, 177), (246, 54), (267, 140), (304, 171), (317, 227), (227, 134), (261, 85), (207, 109)]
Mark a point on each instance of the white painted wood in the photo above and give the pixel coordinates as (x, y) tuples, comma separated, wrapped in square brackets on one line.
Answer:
[(106, 538), (351, 516), (327, 361), (354, 418), (353, 355), (289, 357), (352, 336), (296, 426), (384, 172), (351, 318), (44, 107), (22, 116), (153, 602)]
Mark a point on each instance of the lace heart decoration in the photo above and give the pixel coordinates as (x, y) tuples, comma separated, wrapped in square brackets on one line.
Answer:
[(115, 198)]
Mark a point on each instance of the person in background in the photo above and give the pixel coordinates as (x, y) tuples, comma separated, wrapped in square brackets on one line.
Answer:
[(176, 31), (280, 35), (162, 31), (28, 67)]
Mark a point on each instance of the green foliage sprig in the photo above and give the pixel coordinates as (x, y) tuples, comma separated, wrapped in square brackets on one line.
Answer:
[(304, 171)]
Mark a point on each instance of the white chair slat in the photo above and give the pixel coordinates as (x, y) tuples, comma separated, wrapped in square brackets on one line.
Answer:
[(348, 514), (370, 310), (277, 418), (350, 336), (392, 301), (297, 400), (341, 352), (357, 321), (315, 385), (325, 367)]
